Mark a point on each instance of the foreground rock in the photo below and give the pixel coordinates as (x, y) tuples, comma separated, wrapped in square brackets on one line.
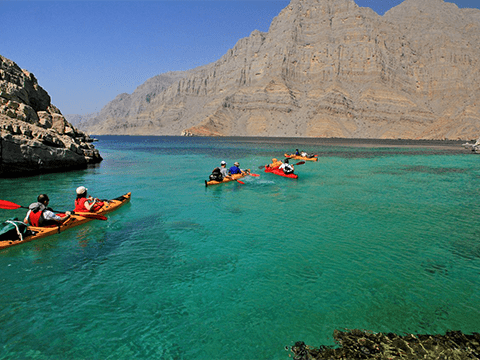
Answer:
[(34, 136), (356, 344), (325, 68)]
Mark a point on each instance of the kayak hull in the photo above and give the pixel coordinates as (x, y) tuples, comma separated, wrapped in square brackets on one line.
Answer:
[(74, 220), (280, 172), (234, 177), (296, 157)]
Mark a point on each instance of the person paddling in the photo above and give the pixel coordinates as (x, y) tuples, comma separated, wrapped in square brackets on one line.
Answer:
[(286, 167), (275, 163), (307, 155), (86, 204), (224, 170), (235, 169), (39, 215)]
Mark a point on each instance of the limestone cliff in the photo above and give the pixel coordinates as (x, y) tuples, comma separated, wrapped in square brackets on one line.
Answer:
[(34, 135), (327, 68)]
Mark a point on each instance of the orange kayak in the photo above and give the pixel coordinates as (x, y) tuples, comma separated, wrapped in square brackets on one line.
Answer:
[(74, 220), (296, 157), (233, 177)]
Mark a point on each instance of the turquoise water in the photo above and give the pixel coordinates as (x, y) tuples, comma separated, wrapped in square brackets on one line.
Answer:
[(376, 238)]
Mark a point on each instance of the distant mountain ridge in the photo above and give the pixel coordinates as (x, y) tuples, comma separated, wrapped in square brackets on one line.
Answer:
[(76, 119), (325, 68)]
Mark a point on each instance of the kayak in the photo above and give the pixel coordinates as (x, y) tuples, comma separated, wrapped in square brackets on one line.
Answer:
[(297, 157), (233, 177), (280, 172), (74, 220)]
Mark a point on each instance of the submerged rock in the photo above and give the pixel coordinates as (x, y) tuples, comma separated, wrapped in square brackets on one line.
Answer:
[(356, 344), (34, 135)]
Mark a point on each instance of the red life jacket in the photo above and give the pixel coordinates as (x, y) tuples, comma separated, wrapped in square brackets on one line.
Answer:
[(98, 205), (80, 205), (35, 218)]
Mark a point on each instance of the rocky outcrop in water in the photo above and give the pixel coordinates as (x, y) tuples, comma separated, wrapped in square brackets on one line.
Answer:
[(325, 68), (34, 136), (356, 344)]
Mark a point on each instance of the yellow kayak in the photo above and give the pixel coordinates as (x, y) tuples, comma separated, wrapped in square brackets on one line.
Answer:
[(297, 157), (74, 220), (233, 177)]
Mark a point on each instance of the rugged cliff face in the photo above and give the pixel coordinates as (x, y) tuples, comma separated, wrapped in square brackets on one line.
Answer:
[(34, 135), (326, 68)]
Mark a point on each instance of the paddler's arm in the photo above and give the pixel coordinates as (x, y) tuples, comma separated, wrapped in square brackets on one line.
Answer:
[(89, 205), (66, 217), (26, 217), (50, 215)]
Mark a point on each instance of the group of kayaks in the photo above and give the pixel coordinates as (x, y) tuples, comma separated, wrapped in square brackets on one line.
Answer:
[(268, 169), (75, 219)]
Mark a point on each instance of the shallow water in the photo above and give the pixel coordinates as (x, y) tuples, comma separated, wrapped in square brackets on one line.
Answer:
[(375, 236)]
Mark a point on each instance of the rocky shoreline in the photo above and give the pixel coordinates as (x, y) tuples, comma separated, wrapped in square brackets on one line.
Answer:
[(35, 137), (357, 344)]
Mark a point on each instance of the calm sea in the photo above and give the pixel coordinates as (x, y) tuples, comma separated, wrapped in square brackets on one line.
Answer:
[(380, 236)]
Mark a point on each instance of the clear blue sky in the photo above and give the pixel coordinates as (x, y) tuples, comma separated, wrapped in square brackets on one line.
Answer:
[(85, 53)]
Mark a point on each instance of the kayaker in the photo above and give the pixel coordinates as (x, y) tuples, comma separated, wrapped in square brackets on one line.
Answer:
[(235, 169), (307, 155), (224, 170), (297, 153), (84, 203), (39, 215), (275, 163), (286, 167)]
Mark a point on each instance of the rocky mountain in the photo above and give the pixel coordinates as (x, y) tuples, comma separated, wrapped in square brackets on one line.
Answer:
[(325, 68), (131, 106), (76, 119), (34, 135)]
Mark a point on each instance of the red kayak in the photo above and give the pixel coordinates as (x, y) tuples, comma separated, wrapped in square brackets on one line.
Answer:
[(277, 171)]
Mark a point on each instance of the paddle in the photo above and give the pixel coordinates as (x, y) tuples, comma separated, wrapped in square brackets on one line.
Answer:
[(8, 205), (241, 182)]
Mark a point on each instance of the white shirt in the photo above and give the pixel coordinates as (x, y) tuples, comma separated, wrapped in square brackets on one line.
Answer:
[(286, 167)]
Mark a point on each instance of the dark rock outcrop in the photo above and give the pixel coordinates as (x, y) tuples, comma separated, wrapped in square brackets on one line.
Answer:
[(34, 135), (326, 68), (356, 344)]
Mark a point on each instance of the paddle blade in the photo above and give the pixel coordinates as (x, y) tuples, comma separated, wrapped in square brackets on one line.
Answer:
[(300, 163), (241, 182), (4, 204), (254, 174), (261, 167)]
